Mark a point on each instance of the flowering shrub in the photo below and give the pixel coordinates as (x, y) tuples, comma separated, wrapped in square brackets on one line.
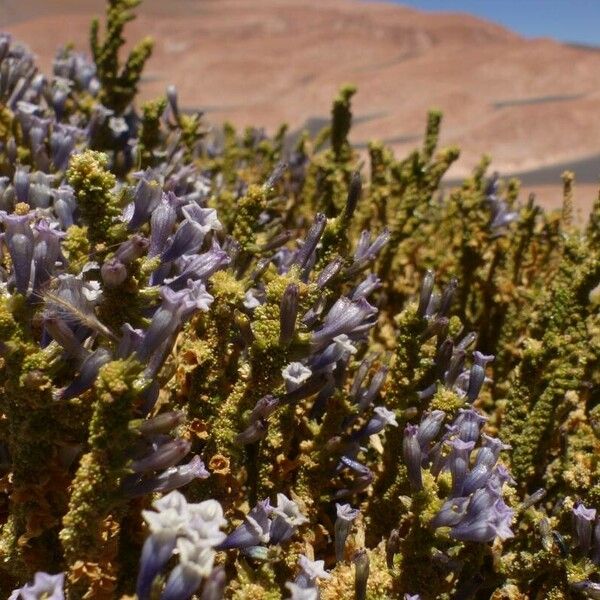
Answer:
[(235, 366)]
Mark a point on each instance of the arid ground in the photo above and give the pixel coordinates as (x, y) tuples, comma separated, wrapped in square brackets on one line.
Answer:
[(532, 104)]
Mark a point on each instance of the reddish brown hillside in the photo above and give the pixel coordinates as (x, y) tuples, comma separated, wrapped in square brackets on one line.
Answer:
[(530, 103)]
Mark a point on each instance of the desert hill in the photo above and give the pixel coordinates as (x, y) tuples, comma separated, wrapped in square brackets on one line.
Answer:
[(532, 104)]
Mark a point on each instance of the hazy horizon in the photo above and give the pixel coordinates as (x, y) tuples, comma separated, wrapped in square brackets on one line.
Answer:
[(569, 21)]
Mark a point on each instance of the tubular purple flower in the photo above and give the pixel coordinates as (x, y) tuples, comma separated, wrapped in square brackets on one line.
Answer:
[(311, 570), (329, 272), (360, 376), (364, 241), (443, 356), (156, 552), (132, 249), (294, 375), (589, 588), (46, 252), (276, 175), (48, 587), (345, 316), (490, 451), (264, 408), (253, 531), (277, 241), (455, 368), (366, 287), (287, 519), (458, 463), (487, 517), (21, 183), (172, 100), (130, 340), (146, 197), (20, 243), (165, 456), (214, 586), (199, 266), (361, 574), (476, 379), (426, 291), (171, 479), (195, 563), (451, 513), (40, 195), (583, 519), (340, 347), (87, 374), (447, 297), (311, 386), (468, 424), (411, 451), (368, 395), (254, 432), (345, 516), (477, 477), (63, 335), (62, 144), (378, 243), (187, 239), (312, 239), (380, 419), (436, 327), (467, 341), (64, 205), (288, 311), (113, 273), (176, 307), (162, 222), (429, 428)]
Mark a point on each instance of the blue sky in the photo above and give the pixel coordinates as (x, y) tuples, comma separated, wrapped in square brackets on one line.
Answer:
[(566, 20)]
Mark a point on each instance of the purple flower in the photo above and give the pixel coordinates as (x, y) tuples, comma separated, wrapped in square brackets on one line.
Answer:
[(162, 222), (171, 479), (176, 307), (20, 243), (411, 451), (49, 587), (287, 314), (458, 463), (380, 419), (253, 531), (286, 519), (583, 519), (312, 239), (429, 428), (345, 515), (345, 316)]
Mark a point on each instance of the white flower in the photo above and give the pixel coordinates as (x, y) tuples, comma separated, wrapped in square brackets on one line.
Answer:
[(344, 344), (195, 559), (314, 569), (250, 299), (294, 375), (387, 416), (289, 511), (302, 593)]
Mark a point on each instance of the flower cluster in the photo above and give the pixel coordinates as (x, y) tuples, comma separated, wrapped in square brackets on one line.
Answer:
[(192, 531), (202, 327)]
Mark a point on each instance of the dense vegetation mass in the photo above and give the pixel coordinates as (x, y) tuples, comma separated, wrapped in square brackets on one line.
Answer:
[(254, 368)]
